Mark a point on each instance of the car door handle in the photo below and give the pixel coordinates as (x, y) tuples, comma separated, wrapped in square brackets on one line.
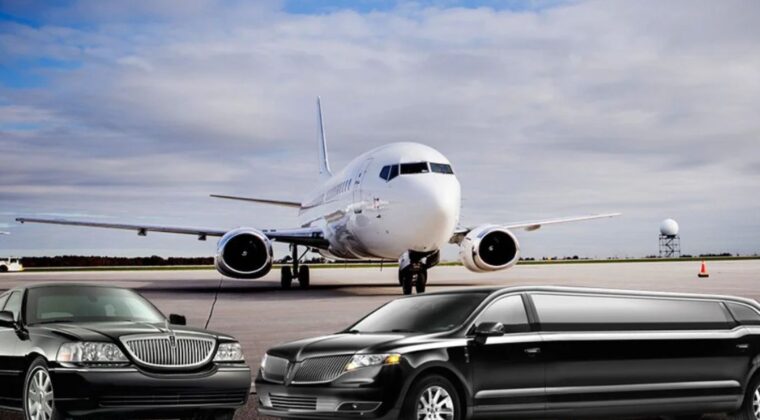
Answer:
[(532, 351), (743, 346)]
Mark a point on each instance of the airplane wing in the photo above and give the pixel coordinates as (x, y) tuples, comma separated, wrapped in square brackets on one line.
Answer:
[(459, 233), (312, 237), (260, 200)]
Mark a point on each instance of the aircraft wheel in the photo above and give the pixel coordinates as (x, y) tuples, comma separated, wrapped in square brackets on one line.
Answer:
[(286, 277), (421, 282), (303, 277), (406, 281)]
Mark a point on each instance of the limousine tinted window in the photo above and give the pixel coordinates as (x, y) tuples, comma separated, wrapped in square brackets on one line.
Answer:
[(510, 311), (431, 313), (744, 314), (583, 312)]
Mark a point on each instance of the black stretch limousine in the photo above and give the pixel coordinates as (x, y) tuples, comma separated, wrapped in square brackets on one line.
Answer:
[(77, 350), (525, 353)]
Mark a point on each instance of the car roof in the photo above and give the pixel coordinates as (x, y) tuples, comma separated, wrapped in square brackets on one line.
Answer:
[(496, 291)]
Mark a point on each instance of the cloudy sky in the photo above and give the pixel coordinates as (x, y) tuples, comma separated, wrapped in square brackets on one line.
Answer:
[(136, 111)]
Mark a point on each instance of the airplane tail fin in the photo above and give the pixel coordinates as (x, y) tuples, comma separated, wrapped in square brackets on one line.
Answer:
[(324, 162)]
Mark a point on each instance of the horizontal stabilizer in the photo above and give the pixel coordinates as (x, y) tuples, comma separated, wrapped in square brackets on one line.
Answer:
[(260, 200)]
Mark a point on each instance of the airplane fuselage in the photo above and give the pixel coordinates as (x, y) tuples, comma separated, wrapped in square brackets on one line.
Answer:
[(396, 198)]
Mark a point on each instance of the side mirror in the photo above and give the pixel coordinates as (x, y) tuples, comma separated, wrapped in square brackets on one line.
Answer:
[(488, 329), (175, 319), (7, 320)]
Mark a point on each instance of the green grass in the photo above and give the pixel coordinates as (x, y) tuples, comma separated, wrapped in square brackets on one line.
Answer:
[(376, 265)]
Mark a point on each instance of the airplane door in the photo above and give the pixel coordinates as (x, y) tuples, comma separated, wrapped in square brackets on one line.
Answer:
[(361, 173)]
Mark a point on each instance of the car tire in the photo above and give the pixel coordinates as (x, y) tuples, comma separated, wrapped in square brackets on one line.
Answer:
[(304, 277), (286, 277), (213, 415), (3, 269), (751, 406), (435, 394), (421, 282), (38, 397)]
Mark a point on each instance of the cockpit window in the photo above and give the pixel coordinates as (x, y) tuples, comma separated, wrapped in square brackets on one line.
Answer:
[(441, 168), (414, 168), (389, 172)]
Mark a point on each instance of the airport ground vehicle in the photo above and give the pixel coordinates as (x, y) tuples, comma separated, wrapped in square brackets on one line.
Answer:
[(95, 351), (10, 265), (525, 352)]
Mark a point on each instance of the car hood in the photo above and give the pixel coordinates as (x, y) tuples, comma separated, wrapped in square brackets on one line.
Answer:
[(335, 344), (99, 331)]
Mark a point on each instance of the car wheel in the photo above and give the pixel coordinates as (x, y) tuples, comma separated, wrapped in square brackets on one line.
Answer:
[(39, 402), (751, 407), (286, 277), (3, 269), (303, 277), (432, 398)]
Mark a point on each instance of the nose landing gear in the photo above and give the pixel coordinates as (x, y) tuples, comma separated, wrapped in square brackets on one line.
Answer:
[(297, 272), (412, 273)]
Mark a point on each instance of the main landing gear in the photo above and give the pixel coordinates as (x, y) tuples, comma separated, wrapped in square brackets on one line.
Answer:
[(412, 271), (295, 271)]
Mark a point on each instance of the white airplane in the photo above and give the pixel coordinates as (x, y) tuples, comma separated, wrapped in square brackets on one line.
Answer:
[(397, 202)]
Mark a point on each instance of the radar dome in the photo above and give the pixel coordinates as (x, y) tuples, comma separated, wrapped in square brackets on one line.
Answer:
[(669, 227)]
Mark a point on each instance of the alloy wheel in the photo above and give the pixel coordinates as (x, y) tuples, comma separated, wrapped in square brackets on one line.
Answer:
[(39, 397), (435, 403), (756, 403)]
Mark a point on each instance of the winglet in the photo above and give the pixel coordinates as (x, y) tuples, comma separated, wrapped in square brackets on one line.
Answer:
[(324, 163)]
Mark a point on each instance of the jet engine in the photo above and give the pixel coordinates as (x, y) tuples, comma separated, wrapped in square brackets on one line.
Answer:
[(489, 248), (244, 253)]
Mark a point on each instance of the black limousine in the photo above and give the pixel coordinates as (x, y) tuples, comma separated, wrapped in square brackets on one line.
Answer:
[(95, 351), (525, 352)]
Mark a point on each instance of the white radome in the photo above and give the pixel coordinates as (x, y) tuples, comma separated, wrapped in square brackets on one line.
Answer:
[(669, 227)]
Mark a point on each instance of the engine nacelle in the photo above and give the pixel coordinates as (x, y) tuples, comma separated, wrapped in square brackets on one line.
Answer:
[(489, 248), (244, 253)]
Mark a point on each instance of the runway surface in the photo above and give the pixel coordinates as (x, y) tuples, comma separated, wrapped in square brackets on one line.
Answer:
[(261, 315)]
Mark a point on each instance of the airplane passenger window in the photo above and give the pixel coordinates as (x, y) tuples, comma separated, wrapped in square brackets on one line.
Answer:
[(385, 171), (441, 168), (414, 168), (393, 173)]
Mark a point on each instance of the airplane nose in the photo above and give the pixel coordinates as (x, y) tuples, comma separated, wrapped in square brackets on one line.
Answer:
[(435, 212)]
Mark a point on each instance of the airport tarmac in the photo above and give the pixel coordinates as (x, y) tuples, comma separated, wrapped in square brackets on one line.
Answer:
[(261, 315)]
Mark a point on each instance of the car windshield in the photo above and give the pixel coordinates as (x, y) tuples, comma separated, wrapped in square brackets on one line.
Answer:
[(423, 314), (87, 304)]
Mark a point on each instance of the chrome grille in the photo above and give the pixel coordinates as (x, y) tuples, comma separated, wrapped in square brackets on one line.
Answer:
[(170, 351), (289, 402), (320, 369), (276, 369)]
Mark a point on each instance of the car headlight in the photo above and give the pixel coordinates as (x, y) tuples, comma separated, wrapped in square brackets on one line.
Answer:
[(90, 352), (229, 352), (365, 360)]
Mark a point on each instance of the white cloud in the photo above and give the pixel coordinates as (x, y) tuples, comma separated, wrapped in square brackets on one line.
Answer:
[(644, 107)]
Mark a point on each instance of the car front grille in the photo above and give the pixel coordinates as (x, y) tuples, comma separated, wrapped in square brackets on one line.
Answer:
[(170, 351), (289, 402), (320, 369), (276, 369), (188, 399)]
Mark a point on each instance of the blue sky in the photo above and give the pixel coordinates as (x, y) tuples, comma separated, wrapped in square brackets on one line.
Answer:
[(136, 111)]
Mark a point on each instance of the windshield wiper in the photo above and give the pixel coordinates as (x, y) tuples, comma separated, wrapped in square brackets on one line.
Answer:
[(352, 332), (402, 330)]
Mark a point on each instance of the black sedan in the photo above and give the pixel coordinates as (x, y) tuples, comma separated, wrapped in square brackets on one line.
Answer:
[(79, 350), (525, 353)]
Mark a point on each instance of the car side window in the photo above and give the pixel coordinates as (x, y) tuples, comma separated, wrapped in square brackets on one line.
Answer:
[(744, 314), (13, 304), (509, 311), (3, 298), (558, 312)]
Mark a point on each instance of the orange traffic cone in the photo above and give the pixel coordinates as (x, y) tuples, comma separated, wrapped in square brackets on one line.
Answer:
[(703, 271)]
